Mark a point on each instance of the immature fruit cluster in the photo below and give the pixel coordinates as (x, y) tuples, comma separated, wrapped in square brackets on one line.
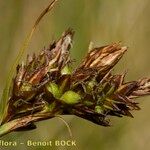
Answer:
[(47, 83)]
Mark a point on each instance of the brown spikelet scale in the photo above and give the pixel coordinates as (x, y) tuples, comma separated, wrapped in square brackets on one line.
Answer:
[(46, 86)]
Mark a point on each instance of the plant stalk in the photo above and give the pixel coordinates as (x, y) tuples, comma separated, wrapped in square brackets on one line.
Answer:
[(22, 122)]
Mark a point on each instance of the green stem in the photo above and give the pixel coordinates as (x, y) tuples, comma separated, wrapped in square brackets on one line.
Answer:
[(22, 122)]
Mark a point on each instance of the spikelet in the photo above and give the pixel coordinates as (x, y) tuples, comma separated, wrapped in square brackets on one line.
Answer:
[(46, 83)]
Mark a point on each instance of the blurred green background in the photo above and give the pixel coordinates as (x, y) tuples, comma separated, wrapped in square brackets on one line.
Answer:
[(100, 21)]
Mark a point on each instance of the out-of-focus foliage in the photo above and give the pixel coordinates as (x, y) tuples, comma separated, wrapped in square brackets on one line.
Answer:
[(100, 21)]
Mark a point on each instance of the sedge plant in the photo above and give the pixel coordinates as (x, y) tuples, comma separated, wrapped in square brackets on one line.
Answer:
[(46, 85)]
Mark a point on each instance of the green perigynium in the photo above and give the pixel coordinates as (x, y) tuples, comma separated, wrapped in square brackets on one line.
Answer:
[(54, 90), (46, 86), (70, 97)]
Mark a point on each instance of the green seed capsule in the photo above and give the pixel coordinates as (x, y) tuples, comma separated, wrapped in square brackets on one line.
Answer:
[(66, 70), (98, 109), (70, 97), (54, 89)]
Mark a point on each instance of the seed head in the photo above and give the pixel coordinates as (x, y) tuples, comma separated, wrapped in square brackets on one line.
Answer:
[(46, 84)]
